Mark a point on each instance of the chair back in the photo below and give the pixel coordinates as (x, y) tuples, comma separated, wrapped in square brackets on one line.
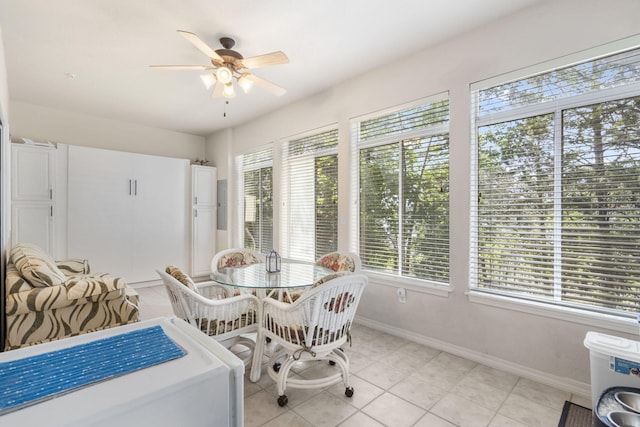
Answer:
[(341, 262), (220, 318), (235, 257), (320, 320)]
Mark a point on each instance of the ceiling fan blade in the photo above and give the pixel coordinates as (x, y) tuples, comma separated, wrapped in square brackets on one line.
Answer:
[(197, 42), (268, 59), (217, 90), (266, 85), (182, 67)]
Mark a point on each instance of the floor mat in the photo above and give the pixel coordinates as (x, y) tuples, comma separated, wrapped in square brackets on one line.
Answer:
[(575, 416)]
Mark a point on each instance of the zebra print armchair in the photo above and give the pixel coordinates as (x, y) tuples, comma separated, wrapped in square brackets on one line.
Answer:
[(47, 300)]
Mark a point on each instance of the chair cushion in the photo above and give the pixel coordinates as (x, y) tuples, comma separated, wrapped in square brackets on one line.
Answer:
[(214, 327), (235, 259), (337, 262), (181, 277), (36, 266)]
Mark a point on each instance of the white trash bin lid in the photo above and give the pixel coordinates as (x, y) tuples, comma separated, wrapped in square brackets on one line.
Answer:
[(613, 346)]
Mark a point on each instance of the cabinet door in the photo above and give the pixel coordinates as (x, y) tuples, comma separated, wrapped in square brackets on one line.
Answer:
[(160, 215), (204, 243), (32, 173), (33, 223), (128, 212), (100, 225), (203, 185)]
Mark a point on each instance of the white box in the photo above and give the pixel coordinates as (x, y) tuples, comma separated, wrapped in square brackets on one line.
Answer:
[(202, 388), (614, 362)]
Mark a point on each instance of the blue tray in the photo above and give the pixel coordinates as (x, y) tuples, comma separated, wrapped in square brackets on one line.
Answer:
[(44, 376)]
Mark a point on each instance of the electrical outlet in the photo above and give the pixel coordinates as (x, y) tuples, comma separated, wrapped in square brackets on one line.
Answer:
[(402, 295)]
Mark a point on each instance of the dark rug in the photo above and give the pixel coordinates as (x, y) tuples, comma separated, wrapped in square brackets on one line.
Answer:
[(575, 416)]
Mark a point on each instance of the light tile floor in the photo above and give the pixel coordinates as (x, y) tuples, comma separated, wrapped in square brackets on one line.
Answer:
[(397, 383)]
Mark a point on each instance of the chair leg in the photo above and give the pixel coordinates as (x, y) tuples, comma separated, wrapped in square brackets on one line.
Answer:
[(256, 362), (247, 342)]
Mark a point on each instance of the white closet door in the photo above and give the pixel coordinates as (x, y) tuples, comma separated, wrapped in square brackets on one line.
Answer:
[(32, 173), (128, 212), (100, 224), (204, 185), (160, 212), (203, 218), (204, 243), (32, 223)]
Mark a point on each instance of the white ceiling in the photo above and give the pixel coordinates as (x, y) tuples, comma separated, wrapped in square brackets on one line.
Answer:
[(108, 45)]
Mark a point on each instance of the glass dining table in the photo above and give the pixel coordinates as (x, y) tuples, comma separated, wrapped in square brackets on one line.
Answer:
[(292, 276)]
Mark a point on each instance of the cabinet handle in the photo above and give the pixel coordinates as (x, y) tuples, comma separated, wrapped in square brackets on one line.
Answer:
[(135, 187), (51, 194), (129, 187), (51, 210), (195, 200), (195, 214)]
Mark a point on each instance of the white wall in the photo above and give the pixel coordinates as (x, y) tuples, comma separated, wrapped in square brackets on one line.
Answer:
[(544, 348), (217, 148), (5, 191), (49, 124)]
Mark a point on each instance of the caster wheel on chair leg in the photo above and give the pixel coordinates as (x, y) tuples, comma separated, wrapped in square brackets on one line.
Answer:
[(283, 400), (276, 367), (348, 391)]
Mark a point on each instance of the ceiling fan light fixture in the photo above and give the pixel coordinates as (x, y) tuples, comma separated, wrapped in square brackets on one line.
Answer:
[(224, 75), (209, 80), (245, 82), (228, 91)]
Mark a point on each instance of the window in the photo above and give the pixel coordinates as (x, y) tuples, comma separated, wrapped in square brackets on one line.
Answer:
[(402, 189), (255, 192), (309, 214), (555, 200)]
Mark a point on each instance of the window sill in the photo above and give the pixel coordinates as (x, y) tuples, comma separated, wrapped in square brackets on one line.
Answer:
[(415, 285), (583, 317)]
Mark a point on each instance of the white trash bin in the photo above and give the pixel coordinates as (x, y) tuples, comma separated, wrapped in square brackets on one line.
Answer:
[(614, 361)]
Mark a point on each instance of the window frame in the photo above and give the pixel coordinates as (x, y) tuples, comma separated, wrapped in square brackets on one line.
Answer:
[(285, 162), (513, 302), (241, 169), (355, 145)]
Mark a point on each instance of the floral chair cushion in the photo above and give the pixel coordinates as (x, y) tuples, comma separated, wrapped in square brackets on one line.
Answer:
[(36, 266), (337, 262), (181, 277), (235, 259)]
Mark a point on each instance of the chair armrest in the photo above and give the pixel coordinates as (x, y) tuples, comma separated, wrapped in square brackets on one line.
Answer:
[(50, 298), (87, 285), (214, 291), (277, 305), (73, 266)]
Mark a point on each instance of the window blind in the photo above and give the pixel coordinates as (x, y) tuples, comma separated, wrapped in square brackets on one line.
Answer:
[(555, 211), (309, 214), (255, 199), (402, 160)]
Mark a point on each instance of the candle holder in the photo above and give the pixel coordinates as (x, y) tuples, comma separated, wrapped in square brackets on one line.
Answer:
[(273, 261)]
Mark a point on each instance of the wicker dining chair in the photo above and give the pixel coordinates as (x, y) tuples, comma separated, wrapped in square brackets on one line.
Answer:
[(314, 327), (211, 309), (235, 257)]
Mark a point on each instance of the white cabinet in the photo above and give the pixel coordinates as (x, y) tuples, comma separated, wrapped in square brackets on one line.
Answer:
[(127, 212), (32, 195), (203, 218)]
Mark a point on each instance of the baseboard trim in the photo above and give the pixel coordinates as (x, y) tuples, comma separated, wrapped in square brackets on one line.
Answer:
[(575, 387)]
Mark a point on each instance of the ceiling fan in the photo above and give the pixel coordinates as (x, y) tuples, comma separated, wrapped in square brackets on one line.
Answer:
[(229, 65)]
